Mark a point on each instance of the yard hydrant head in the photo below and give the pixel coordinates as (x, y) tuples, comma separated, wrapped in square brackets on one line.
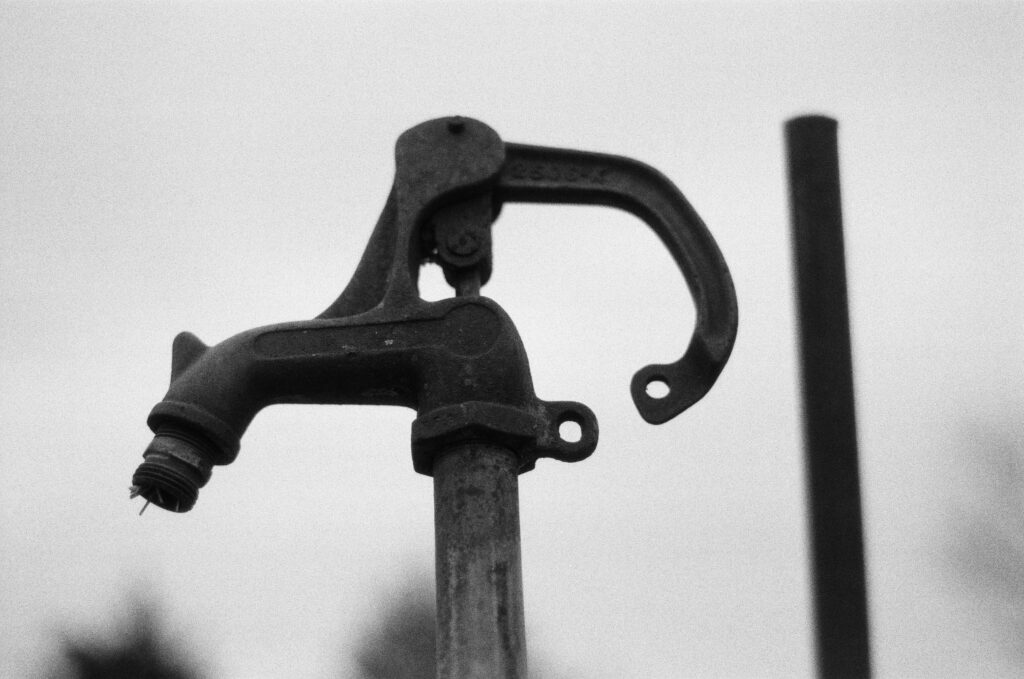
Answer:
[(459, 362)]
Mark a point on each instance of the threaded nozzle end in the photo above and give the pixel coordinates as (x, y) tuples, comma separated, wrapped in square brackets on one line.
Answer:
[(176, 465)]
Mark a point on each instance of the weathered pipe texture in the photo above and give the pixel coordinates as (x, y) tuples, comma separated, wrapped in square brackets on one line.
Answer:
[(481, 632)]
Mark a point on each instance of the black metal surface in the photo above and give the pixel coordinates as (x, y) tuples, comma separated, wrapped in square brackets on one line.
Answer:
[(458, 362), (840, 591), (544, 175)]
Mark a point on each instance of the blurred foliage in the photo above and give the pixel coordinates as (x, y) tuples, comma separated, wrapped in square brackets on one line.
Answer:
[(400, 645), (988, 543), (141, 650)]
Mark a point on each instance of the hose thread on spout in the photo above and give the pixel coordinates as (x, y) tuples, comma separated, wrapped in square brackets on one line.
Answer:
[(176, 465)]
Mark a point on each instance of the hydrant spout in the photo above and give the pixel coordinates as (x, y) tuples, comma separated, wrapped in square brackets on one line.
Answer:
[(215, 393), (460, 363)]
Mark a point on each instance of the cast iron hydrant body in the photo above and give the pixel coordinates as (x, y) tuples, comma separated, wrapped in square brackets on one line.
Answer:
[(458, 362)]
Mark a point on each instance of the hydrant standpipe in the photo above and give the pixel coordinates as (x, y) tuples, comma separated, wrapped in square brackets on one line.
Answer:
[(458, 362)]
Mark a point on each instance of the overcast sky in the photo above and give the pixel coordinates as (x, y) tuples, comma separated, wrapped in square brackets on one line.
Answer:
[(213, 167)]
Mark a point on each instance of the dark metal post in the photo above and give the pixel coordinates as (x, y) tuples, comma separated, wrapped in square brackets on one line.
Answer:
[(481, 631), (840, 596)]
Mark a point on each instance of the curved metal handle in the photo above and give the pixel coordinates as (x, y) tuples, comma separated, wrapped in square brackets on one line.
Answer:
[(537, 174), (449, 160)]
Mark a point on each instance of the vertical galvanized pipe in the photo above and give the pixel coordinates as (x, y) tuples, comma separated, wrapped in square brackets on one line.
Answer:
[(830, 437), (480, 627)]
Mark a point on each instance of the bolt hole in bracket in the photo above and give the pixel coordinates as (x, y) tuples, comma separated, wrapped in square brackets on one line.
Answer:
[(657, 388), (570, 431), (574, 434), (459, 362)]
